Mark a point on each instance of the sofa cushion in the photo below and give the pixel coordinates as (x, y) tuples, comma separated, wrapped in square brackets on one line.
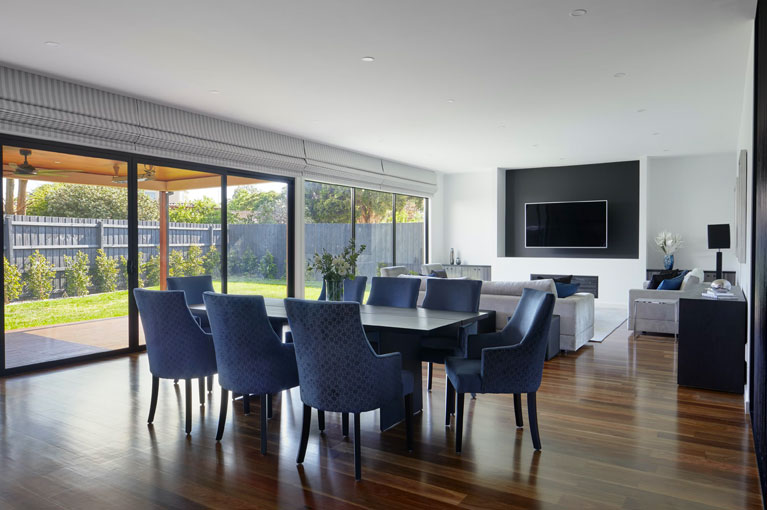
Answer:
[(663, 275), (439, 274), (693, 277), (672, 283), (566, 289), (515, 288)]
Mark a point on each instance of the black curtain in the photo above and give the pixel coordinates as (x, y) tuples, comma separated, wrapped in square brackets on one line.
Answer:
[(758, 383)]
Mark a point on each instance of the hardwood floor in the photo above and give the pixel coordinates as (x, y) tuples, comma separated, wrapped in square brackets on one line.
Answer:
[(617, 433)]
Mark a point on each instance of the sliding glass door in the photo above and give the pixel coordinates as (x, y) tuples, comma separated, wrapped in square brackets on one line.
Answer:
[(65, 231)]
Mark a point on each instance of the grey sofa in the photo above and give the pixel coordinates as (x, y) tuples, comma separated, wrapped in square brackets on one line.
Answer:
[(657, 311), (576, 326)]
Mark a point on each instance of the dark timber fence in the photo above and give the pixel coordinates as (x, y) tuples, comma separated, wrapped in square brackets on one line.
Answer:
[(55, 237)]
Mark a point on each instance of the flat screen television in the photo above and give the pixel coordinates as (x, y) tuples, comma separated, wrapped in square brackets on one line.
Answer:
[(566, 224)]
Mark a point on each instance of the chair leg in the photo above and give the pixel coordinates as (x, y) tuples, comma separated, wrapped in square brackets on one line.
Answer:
[(321, 419), (175, 381), (357, 448), (304, 434), (269, 405), (246, 404), (264, 412), (188, 384), (202, 390), (210, 384), (153, 403), (518, 410), (533, 415), (409, 421), (222, 414), (459, 423), (449, 401), (428, 376), (345, 424)]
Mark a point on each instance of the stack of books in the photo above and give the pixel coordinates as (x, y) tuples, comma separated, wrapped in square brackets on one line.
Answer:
[(719, 294)]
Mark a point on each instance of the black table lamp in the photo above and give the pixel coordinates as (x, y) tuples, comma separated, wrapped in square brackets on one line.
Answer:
[(718, 239)]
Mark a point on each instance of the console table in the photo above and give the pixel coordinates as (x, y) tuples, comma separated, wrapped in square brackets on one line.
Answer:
[(468, 271), (712, 339)]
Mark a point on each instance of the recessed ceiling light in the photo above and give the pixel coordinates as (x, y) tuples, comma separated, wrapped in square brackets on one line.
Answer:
[(579, 12), (368, 59), (52, 44), (451, 101), (535, 145), (214, 91), (620, 75), (656, 133), (665, 150), (641, 110)]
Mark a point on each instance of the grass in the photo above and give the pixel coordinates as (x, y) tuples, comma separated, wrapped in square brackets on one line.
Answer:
[(28, 314)]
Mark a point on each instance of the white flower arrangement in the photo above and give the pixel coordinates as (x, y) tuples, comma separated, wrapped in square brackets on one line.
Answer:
[(668, 243), (337, 267)]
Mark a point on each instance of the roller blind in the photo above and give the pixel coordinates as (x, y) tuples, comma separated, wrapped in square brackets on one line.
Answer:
[(37, 106)]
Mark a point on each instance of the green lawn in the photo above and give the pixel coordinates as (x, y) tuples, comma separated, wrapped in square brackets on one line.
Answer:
[(115, 304)]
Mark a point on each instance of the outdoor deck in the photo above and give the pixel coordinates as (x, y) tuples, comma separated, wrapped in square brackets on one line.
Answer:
[(29, 346)]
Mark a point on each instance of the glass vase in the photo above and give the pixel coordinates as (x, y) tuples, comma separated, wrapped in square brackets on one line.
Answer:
[(668, 262), (334, 290)]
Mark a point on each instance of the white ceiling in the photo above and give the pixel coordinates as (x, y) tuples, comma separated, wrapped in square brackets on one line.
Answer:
[(531, 84)]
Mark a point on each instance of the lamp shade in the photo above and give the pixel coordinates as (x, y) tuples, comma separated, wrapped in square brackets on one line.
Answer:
[(718, 236)]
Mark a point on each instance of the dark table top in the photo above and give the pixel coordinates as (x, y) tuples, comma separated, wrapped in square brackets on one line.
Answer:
[(414, 319)]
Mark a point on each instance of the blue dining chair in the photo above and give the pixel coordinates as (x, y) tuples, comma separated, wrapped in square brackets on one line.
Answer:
[(176, 345), (354, 290), (453, 295), (509, 361), (193, 287), (251, 358), (339, 372), (396, 292)]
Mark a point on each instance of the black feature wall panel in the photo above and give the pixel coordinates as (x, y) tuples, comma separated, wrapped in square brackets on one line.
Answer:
[(618, 183), (758, 382)]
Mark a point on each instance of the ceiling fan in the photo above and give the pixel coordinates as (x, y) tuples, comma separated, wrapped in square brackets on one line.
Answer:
[(26, 168), (147, 175)]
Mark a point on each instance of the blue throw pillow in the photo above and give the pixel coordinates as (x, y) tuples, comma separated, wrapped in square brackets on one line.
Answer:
[(566, 289), (672, 283)]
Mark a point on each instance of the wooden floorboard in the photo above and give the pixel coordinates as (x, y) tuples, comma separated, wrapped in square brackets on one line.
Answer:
[(617, 433)]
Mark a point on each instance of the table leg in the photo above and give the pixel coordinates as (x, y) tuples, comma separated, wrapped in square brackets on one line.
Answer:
[(408, 345)]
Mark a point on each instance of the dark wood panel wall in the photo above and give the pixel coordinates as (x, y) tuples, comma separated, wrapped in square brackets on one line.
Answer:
[(759, 252)]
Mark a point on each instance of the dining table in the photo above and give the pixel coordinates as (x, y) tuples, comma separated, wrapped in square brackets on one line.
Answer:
[(399, 330)]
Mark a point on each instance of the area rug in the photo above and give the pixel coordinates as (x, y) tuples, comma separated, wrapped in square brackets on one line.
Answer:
[(608, 318)]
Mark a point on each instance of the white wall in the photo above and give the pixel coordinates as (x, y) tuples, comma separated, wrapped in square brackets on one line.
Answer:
[(472, 220), (746, 141), (684, 195)]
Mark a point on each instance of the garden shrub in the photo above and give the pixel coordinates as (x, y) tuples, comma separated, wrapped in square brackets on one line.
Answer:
[(211, 262), (245, 263), (176, 263), (124, 270), (40, 276), (267, 267), (76, 273), (152, 271), (12, 283), (105, 272), (194, 262)]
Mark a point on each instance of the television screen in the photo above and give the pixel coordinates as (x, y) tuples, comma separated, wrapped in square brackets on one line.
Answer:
[(566, 224)]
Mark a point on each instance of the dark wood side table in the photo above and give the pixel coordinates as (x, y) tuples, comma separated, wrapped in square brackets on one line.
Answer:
[(712, 339)]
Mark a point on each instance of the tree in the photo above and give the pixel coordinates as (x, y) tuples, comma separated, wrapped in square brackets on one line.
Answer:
[(326, 203), (372, 206), (202, 210), (86, 201), (251, 205)]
